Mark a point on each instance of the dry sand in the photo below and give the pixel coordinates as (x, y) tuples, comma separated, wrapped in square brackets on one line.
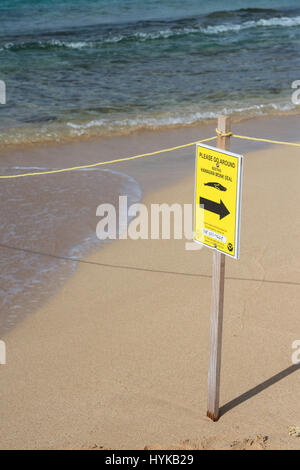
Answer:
[(118, 359)]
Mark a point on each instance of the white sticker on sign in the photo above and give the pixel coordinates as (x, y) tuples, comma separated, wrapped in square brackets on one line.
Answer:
[(214, 235)]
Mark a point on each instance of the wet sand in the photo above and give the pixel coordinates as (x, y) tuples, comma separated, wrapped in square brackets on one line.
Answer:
[(118, 358)]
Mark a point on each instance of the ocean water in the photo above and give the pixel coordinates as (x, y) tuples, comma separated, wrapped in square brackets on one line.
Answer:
[(95, 67), (46, 225)]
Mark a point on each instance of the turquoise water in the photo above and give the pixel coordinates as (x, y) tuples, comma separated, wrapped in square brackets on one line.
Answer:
[(91, 67)]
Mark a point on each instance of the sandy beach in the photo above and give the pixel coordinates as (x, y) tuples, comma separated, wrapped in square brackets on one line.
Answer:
[(118, 358)]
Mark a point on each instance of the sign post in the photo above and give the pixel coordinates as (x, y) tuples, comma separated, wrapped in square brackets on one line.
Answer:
[(217, 225), (217, 301)]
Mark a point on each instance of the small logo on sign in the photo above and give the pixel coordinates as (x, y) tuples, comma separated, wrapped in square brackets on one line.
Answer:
[(230, 246)]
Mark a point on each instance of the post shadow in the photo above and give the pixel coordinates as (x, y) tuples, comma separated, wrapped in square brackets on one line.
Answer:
[(258, 389)]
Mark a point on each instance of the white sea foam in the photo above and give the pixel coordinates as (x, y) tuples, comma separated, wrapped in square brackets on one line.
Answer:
[(45, 44), (209, 30), (176, 118), (70, 44), (110, 125), (141, 36), (271, 22)]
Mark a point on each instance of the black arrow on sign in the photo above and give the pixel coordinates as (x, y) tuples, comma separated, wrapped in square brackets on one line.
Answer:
[(215, 207)]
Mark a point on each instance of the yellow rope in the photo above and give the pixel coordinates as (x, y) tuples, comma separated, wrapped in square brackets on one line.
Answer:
[(257, 139), (50, 172), (150, 154), (221, 134), (265, 140)]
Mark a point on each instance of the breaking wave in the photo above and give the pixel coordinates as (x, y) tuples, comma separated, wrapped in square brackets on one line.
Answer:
[(185, 119), (166, 33)]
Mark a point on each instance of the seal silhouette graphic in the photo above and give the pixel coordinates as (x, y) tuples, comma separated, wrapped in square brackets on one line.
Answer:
[(216, 185)]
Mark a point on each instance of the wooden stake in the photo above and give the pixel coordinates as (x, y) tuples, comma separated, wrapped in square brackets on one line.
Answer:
[(218, 276)]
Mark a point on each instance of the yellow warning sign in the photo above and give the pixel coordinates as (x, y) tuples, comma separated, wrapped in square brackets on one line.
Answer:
[(218, 186)]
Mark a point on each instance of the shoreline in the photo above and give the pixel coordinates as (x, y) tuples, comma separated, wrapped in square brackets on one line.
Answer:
[(128, 132), (118, 358)]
